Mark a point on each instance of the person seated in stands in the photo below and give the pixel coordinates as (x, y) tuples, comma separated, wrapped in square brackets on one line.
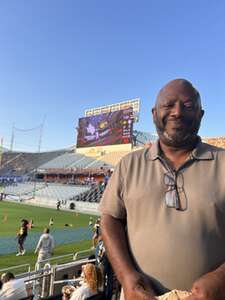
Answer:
[(101, 186), (90, 284), (13, 289), (102, 262), (67, 291)]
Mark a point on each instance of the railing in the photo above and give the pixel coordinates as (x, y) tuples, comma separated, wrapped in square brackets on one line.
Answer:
[(82, 253), (42, 262), (16, 267), (43, 281), (73, 256), (92, 195)]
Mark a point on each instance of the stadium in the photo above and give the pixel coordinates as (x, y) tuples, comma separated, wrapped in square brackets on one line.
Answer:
[(66, 186)]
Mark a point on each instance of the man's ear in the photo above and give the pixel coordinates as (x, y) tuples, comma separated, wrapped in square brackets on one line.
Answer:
[(154, 113), (202, 112)]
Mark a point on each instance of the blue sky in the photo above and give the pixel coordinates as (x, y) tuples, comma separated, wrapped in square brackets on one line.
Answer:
[(58, 58)]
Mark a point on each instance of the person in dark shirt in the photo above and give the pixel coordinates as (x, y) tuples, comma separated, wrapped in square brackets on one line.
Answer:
[(21, 236), (104, 265), (58, 205)]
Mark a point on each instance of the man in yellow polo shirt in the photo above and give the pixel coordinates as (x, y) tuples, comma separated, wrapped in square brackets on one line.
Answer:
[(163, 211)]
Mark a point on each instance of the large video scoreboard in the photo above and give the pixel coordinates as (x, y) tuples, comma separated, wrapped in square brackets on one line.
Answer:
[(111, 128)]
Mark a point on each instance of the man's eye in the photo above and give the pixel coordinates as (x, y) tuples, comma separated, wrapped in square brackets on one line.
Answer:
[(188, 105), (168, 105)]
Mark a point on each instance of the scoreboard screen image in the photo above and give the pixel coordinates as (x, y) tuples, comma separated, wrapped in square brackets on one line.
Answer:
[(106, 129)]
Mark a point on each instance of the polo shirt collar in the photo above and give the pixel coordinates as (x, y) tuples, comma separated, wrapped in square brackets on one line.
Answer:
[(202, 151), (154, 151)]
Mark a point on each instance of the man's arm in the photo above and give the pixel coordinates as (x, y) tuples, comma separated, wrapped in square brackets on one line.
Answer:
[(135, 285), (38, 246), (210, 286)]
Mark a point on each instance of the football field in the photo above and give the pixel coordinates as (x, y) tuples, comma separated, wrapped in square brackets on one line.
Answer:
[(70, 231)]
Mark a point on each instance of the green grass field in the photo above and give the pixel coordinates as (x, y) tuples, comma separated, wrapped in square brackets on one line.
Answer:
[(12, 213)]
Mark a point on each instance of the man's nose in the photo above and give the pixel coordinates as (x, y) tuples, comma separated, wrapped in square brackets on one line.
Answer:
[(177, 110)]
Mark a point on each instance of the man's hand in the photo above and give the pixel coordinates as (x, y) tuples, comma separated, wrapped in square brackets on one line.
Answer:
[(210, 286), (137, 286)]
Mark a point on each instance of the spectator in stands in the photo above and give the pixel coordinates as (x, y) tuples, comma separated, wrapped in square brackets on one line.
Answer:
[(67, 292), (21, 236), (101, 186), (45, 247), (90, 283), (13, 289), (163, 208), (104, 265), (67, 280), (106, 178)]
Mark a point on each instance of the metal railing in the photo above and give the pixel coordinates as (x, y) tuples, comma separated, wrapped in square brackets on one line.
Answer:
[(43, 280), (48, 260), (16, 267)]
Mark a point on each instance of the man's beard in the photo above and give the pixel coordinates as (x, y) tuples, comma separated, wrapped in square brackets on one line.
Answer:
[(178, 138)]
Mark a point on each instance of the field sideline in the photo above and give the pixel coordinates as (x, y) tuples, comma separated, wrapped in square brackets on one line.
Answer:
[(12, 213)]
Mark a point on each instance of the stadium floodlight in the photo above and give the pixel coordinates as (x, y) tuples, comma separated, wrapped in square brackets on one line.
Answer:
[(134, 103)]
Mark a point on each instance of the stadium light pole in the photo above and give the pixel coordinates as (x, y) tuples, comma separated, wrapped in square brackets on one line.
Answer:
[(1, 151), (39, 150), (12, 138)]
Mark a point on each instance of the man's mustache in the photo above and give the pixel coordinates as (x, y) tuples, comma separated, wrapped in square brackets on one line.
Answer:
[(180, 120)]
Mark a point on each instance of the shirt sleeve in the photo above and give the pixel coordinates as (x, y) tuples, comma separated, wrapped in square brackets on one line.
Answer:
[(76, 295), (112, 202)]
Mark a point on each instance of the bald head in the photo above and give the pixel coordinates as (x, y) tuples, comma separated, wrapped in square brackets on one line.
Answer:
[(178, 85)]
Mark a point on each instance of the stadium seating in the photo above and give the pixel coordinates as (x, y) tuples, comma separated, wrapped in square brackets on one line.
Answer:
[(73, 161), (20, 163), (49, 192), (141, 137)]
